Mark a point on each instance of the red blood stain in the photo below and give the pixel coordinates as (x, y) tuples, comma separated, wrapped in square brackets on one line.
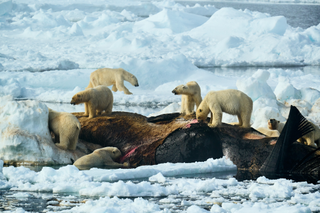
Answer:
[(191, 122), (128, 154)]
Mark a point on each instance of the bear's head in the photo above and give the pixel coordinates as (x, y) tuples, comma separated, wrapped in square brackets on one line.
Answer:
[(273, 124), (201, 114), (76, 99), (113, 152), (181, 89), (116, 153), (133, 80)]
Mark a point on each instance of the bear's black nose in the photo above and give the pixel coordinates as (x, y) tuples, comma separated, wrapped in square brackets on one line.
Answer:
[(136, 85), (174, 92)]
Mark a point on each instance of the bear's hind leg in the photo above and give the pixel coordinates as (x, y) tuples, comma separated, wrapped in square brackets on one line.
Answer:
[(63, 143), (240, 120), (108, 110), (245, 119), (73, 143)]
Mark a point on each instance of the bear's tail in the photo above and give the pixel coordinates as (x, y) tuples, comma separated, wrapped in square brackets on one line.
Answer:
[(295, 127)]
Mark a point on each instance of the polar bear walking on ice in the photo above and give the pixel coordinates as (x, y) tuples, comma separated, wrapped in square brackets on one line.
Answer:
[(230, 101), (115, 77)]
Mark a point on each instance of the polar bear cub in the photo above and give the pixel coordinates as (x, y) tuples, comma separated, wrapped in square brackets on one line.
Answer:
[(96, 100), (101, 157), (230, 101), (66, 129), (115, 77), (190, 96)]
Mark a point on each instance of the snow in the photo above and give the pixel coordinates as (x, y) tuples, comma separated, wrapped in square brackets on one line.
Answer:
[(49, 48)]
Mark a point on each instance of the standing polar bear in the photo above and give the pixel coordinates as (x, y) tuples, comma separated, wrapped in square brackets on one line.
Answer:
[(95, 100), (231, 101), (115, 77), (66, 129), (190, 96), (101, 157)]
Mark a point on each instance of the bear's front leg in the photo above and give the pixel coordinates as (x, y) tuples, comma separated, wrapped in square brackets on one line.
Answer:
[(121, 87), (126, 91), (216, 117), (86, 111), (114, 88), (92, 111)]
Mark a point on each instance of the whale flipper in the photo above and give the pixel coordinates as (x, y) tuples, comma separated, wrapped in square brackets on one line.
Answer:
[(295, 127)]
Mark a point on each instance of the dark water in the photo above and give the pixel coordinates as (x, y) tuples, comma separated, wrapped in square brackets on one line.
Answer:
[(297, 15)]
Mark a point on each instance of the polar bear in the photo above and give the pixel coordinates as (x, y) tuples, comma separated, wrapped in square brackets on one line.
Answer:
[(115, 77), (312, 138), (269, 132), (95, 100), (231, 101), (66, 129), (101, 157), (274, 124), (190, 96)]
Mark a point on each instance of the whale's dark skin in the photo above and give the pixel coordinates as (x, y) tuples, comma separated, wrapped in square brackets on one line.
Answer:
[(171, 138)]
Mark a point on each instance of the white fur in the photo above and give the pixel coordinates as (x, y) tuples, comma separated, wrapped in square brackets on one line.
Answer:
[(101, 157), (115, 77), (274, 124), (96, 100), (66, 129), (230, 101), (190, 96), (269, 132)]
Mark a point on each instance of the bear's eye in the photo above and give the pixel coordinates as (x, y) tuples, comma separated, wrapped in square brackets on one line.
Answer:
[(78, 96), (200, 110)]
